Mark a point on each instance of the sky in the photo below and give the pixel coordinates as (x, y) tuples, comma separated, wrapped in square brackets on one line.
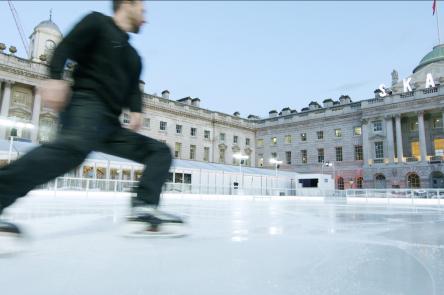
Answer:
[(257, 56)]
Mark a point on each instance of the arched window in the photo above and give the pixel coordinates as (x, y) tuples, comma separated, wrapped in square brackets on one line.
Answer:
[(413, 181), (359, 182), (380, 181), (340, 183)]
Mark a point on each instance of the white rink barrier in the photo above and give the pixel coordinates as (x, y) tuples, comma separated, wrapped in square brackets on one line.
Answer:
[(104, 188)]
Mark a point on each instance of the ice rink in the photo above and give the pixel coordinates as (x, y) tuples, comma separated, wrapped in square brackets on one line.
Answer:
[(248, 246)]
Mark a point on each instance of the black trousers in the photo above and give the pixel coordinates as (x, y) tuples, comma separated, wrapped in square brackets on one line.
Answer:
[(86, 125)]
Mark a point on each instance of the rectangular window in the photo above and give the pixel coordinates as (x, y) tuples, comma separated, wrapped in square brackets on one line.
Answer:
[(206, 154), (437, 123), (357, 131), (177, 150), (235, 139), (304, 136), (287, 139), (304, 156), (192, 152), (163, 126), (413, 125), (288, 158), (338, 132), (377, 126), (186, 178), (274, 155), (358, 153), (260, 142), (193, 131), (146, 122), (320, 155), (339, 153), (247, 141), (207, 134), (320, 134), (222, 137), (274, 140), (439, 146), (379, 150), (179, 129), (416, 151), (178, 177)]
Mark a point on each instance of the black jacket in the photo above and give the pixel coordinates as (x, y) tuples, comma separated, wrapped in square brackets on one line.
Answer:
[(107, 64)]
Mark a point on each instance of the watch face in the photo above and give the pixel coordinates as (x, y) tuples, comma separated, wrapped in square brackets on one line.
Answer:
[(50, 44)]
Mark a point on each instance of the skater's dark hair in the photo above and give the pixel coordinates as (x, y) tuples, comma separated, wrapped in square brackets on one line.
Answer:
[(118, 3)]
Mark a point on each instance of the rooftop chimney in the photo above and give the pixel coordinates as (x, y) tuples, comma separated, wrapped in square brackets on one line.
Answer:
[(286, 111), (186, 100), (142, 86), (327, 103), (166, 94), (313, 105), (195, 102), (344, 99)]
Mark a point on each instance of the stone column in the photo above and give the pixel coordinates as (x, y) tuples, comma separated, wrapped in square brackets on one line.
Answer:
[(36, 116), (422, 140), (390, 141), (399, 138), (6, 101), (365, 143)]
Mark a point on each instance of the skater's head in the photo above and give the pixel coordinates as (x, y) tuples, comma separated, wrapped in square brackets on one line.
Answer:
[(129, 14)]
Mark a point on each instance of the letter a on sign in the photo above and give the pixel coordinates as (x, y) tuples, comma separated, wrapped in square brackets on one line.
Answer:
[(429, 81), (407, 84)]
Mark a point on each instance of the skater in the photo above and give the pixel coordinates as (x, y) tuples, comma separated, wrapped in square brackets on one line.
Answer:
[(106, 79)]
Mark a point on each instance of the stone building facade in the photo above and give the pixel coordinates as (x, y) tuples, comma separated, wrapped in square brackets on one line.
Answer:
[(395, 139)]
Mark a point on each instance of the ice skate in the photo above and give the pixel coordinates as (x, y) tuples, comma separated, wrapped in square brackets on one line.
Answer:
[(10, 238), (148, 221)]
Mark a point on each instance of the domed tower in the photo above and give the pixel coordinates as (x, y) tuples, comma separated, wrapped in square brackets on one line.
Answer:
[(431, 63), (43, 40)]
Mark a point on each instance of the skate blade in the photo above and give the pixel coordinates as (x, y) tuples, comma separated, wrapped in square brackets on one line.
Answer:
[(11, 244), (140, 230)]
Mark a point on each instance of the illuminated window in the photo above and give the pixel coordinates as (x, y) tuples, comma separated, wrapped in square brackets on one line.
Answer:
[(416, 152), (287, 139), (439, 146), (338, 132)]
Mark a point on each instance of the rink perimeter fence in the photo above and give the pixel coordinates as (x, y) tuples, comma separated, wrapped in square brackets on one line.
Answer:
[(390, 196)]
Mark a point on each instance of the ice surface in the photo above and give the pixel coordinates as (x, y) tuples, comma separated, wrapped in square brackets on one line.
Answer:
[(236, 247)]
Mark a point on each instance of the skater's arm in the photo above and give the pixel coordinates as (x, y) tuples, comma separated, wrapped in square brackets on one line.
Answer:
[(135, 98), (75, 45)]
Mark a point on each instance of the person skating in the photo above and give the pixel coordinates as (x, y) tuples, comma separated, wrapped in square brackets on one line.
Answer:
[(106, 80)]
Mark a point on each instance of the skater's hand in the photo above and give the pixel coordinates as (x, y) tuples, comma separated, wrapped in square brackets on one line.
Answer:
[(55, 93), (135, 121)]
